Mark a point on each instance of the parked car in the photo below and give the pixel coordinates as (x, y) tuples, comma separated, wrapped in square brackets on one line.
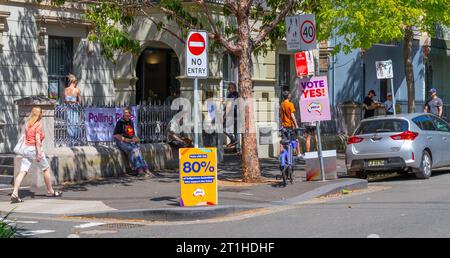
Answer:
[(404, 143)]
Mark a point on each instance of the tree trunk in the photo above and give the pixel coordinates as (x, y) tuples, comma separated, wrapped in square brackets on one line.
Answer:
[(409, 72), (250, 162)]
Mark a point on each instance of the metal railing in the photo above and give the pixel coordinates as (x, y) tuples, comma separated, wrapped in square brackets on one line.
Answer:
[(70, 124)]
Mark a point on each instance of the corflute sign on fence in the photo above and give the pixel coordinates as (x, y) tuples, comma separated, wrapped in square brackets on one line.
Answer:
[(100, 122), (314, 101), (197, 54)]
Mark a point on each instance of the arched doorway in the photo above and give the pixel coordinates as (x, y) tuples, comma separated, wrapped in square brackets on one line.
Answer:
[(157, 69)]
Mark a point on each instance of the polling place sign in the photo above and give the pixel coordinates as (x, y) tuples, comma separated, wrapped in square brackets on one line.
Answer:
[(100, 122), (314, 100)]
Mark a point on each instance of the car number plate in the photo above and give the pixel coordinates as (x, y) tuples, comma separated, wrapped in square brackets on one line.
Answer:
[(375, 163)]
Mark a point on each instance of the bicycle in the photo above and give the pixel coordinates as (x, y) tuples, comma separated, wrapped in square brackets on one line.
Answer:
[(289, 142)]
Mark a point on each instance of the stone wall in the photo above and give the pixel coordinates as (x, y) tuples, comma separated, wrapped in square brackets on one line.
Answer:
[(79, 164)]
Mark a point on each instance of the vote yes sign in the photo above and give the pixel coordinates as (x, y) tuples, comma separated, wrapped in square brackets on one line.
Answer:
[(197, 54), (314, 100)]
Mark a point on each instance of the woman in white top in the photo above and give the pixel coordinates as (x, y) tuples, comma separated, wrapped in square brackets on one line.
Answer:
[(72, 98), (72, 94)]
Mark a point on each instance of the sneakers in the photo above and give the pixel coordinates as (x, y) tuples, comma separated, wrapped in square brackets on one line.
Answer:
[(301, 158)]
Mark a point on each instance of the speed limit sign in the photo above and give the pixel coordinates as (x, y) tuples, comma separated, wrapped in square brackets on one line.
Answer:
[(308, 32)]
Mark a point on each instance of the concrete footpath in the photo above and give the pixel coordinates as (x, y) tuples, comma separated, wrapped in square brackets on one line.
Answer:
[(157, 198)]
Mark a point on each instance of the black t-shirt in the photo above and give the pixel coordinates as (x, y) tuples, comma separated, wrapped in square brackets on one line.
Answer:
[(124, 128), (368, 113)]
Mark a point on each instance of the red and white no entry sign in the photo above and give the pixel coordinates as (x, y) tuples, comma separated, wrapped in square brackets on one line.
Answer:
[(197, 54), (196, 44)]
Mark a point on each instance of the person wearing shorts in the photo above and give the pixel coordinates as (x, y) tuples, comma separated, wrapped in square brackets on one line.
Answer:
[(288, 120), (310, 130), (32, 152)]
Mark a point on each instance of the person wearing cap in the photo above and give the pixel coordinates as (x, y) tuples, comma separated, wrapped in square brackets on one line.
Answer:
[(434, 104), (370, 105), (389, 105)]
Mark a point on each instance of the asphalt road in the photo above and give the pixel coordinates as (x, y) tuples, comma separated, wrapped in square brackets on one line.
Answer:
[(399, 206)]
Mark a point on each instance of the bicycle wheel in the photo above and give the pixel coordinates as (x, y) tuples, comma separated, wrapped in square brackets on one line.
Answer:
[(284, 175)]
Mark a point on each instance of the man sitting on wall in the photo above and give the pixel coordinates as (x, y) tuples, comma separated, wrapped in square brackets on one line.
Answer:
[(127, 141), (175, 135)]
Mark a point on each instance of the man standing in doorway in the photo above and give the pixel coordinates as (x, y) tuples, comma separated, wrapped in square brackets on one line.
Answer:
[(434, 104), (231, 113), (370, 105)]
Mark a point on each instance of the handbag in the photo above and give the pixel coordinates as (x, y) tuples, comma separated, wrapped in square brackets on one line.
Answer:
[(19, 146)]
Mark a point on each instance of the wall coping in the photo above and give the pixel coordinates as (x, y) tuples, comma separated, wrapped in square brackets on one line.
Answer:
[(35, 100)]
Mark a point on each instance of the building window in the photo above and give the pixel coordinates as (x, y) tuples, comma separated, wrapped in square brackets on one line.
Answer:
[(60, 64), (230, 71), (284, 72)]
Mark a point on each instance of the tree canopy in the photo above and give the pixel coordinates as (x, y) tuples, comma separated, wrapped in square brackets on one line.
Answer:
[(363, 23)]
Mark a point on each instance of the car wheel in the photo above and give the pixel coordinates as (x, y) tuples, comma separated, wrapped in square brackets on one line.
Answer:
[(424, 171)]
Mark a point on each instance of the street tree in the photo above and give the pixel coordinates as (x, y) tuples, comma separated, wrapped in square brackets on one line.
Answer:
[(252, 27), (363, 23)]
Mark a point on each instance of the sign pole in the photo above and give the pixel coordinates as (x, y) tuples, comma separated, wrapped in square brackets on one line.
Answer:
[(319, 139), (196, 122), (393, 96)]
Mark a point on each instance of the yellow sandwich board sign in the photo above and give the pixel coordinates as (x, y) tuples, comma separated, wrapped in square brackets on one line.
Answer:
[(198, 176)]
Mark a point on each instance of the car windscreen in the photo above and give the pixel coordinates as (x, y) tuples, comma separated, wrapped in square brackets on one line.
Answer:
[(382, 126)]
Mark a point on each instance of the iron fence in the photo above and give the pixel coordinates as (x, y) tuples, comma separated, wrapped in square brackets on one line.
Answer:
[(70, 124)]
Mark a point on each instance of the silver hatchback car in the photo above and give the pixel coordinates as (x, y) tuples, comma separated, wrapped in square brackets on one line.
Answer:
[(404, 143)]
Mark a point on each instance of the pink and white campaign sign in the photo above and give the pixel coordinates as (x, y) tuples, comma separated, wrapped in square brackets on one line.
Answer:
[(314, 101)]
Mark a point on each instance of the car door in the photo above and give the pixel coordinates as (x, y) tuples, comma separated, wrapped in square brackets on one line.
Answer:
[(443, 129), (432, 137)]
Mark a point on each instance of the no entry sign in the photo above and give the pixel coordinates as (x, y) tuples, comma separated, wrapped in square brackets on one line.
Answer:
[(197, 54)]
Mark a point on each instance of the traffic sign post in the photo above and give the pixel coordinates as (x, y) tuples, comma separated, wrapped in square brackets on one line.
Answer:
[(385, 71), (197, 67), (301, 35)]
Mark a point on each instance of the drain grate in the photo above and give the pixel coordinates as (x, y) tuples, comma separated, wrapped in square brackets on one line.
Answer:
[(121, 226)]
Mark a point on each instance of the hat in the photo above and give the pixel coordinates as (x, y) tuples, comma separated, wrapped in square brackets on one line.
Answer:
[(433, 90), (373, 92), (389, 94)]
